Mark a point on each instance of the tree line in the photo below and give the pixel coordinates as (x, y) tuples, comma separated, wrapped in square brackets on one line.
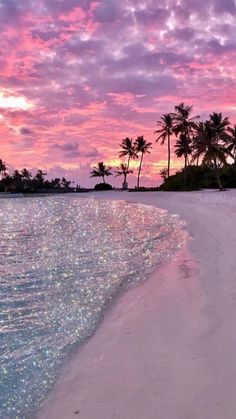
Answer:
[(208, 143), (24, 181)]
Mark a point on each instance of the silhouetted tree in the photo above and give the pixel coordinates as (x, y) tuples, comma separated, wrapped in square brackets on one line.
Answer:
[(101, 171), (164, 131), (123, 170), (210, 147), (231, 143), (142, 147), (3, 168), (128, 149)]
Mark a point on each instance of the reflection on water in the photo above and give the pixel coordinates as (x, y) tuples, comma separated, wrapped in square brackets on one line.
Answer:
[(61, 260)]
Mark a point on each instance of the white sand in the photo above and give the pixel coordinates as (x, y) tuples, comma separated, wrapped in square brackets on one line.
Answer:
[(167, 349)]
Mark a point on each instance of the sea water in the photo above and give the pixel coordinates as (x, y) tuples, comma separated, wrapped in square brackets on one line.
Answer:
[(62, 259)]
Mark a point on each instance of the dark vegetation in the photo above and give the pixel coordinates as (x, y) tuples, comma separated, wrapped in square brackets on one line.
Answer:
[(208, 149), (24, 182), (103, 187)]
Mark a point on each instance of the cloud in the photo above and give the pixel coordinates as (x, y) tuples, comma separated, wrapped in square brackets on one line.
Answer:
[(26, 131), (70, 150)]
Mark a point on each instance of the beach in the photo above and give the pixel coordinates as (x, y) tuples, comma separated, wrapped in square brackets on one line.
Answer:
[(165, 349)]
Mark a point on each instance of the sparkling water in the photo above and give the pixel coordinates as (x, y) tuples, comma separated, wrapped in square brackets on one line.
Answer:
[(61, 260)]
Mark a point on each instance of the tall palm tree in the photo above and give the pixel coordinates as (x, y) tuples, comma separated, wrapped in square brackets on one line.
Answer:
[(220, 126), (128, 149), (3, 168), (143, 147), (123, 170), (164, 131), (101, 171), (183, 148), (183, 123), (183, 127), (210, 147), (231, 143)]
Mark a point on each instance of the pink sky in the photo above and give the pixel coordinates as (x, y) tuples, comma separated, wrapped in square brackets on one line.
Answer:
[(77, 76)]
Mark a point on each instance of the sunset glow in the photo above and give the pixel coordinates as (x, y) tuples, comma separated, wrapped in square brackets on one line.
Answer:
[(76, 77)]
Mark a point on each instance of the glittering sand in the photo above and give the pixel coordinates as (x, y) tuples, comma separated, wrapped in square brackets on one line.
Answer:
[(166, 349)]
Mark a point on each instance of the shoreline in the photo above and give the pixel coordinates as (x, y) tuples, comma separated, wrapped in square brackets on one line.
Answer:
[(166, 348)]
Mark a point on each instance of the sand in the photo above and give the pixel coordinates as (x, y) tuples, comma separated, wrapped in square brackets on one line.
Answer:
[(166, 349)]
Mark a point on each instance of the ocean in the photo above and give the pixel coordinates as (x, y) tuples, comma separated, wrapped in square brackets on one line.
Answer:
[(62, 260)]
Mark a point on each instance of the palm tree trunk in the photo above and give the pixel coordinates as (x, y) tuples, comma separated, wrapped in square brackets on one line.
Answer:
[(217, 175), (125, 179), (139, 170), (128, 163), (103, 178), (185, 170), (168, 170)]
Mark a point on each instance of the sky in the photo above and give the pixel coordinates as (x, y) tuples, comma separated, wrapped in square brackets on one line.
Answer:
[(78, 76)]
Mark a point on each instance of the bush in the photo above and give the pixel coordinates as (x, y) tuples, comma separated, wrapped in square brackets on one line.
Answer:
[(197, 177), (102, 187)]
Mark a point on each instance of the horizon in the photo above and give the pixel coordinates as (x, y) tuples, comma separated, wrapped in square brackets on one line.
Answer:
[(76, 80)]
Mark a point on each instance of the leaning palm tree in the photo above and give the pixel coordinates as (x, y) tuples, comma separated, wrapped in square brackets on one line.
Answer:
[(128, 150), (231, 143), (101, 171), (3, 168), (164, 131), (123, 170), (212, 150), (143, 147)]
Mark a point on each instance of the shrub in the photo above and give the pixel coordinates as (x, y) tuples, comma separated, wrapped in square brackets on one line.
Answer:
[(102, 187)]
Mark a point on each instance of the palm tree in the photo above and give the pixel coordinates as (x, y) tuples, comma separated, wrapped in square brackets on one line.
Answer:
[(128, 149), (56, 183), (210, 147), (220, 126), (143, 147), (17, 179), (164, 131), (65, 183), (183, 148), (39, 178), (101, 171), (123, 170), (183, 127), (3, 168), (183, 123), (26, 176), (231, 143)]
